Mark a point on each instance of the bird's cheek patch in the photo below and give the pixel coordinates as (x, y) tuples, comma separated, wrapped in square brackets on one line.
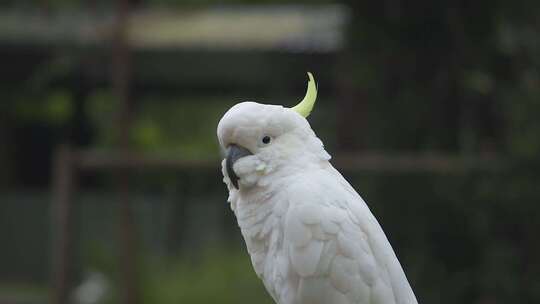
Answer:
[(247, 169), (244, 165)]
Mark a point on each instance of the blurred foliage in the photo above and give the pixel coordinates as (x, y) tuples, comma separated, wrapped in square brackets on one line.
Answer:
[(23, 292), (218, 276), (184, 126), (56, 109), (209, 266), (446, 76), (456, 77), (524, 127)]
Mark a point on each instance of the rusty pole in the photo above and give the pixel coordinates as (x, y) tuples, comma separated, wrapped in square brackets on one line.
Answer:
[(120, 75), (63, 183)]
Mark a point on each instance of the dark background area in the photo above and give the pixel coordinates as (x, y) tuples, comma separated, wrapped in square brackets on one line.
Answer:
[(110, 181)]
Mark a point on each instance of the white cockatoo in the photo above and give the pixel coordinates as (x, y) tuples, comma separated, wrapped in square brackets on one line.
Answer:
[(311, 237)]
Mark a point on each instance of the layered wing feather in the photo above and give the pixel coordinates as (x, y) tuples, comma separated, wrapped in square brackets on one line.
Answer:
[(336, 251)]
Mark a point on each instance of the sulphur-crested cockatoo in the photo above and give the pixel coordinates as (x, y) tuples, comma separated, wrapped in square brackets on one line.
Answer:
[(311, 237)]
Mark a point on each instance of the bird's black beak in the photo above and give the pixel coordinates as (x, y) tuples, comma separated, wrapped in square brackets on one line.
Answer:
[(234, 153)]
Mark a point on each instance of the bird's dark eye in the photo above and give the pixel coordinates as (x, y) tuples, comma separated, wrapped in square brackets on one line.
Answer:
[(266, 140)]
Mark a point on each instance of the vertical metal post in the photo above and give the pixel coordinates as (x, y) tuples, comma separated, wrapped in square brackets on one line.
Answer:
[(63, 174), (121, 82)]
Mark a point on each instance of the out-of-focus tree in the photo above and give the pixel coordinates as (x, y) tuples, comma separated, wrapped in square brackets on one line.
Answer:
[(459, 76)]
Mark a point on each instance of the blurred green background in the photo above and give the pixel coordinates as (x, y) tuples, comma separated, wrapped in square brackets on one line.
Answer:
[(110, 181)]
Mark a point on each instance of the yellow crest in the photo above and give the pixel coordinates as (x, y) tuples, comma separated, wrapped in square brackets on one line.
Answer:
[(306, 105)]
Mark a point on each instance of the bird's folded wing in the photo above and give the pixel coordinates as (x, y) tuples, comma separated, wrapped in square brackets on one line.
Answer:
[(338, 251)]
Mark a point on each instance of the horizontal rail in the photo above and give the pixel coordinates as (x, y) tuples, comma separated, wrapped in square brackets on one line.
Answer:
[(365, 161)]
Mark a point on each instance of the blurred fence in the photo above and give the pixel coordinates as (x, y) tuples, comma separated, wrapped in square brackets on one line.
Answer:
[(462, 236), (464, 233)]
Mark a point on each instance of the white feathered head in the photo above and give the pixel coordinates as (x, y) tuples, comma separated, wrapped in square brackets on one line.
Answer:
[(261, 140)]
